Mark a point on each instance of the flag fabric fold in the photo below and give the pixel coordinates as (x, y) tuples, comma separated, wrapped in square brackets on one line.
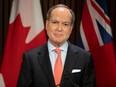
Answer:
[(96, 37), (25, 31)]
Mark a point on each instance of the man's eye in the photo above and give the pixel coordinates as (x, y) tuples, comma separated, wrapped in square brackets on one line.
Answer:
[(66, 24), (54, 22)]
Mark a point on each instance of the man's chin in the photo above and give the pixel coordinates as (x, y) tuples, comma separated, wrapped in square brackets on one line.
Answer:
[(59, 43)]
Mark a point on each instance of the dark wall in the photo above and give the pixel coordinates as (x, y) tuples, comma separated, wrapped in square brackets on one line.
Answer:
[(75, 5), (5, 6)]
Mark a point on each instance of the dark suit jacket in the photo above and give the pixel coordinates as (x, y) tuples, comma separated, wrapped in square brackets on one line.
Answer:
[(36, 69)]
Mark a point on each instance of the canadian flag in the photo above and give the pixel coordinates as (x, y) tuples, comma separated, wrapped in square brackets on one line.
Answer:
[(26, 31)]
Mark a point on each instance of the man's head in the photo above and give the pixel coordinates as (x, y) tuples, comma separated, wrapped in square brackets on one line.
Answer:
[(61, 5), (59, 24)]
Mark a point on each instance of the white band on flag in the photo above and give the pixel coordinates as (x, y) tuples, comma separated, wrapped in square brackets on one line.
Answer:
[(1, 81), (84, 40)]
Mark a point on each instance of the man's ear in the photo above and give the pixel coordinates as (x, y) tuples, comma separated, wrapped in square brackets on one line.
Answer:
[(46, 24), (71, 28)]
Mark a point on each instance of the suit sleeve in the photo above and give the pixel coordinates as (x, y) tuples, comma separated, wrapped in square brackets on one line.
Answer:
[(25, 76), (89, 74)]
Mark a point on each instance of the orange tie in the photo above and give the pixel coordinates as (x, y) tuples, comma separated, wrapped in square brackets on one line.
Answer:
[(58, 68)]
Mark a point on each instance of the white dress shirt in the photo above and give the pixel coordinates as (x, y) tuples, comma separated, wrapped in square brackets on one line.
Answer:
[(53, 55)]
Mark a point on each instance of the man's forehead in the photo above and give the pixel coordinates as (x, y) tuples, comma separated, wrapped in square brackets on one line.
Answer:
[(61, 9)]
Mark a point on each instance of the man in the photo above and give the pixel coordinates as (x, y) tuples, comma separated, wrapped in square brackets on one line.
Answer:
[(39, 65)]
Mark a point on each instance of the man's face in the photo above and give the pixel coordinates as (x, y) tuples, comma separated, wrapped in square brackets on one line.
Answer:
[(59, 26)]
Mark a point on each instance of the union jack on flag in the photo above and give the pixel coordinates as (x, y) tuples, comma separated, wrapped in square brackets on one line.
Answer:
[(96, 37)]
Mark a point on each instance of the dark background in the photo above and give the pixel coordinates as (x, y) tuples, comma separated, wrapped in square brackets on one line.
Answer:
[(75, 5)]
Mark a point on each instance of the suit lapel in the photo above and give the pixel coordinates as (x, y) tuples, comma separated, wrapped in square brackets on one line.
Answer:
[(44, 60), (69, 64)]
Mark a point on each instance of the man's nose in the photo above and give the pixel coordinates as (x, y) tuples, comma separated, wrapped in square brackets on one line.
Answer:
[(59, 27)]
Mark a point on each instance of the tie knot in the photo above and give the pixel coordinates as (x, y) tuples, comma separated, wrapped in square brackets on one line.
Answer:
[(58, 51)]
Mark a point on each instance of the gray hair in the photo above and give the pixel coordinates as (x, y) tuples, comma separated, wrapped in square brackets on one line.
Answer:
[(64, 6)]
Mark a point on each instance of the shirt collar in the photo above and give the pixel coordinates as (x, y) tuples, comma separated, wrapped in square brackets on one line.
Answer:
[(64, 47)]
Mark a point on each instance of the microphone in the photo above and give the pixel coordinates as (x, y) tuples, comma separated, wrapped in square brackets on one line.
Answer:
[(75, 84), (66, 77), (29, 84)]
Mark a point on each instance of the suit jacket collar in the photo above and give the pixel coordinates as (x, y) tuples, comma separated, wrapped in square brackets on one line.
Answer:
[(69, 64), (44, 60)]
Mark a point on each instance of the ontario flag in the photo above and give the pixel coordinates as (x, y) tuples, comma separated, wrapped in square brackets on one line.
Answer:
[(96, 37), (26, 31)]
